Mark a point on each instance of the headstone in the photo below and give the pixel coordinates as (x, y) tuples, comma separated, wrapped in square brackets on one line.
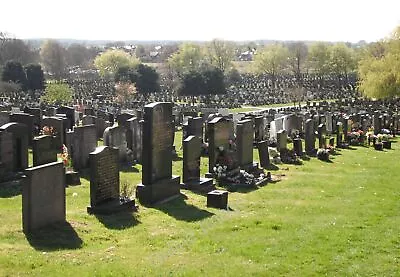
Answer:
[(70, 114), (19, 145), (58, 126), (105, 183), (157, 181), (6, 154), (88, 120), (339, 134), (309, 136), (244, 143), (26, 119), (84, 142), (218, 137), (263, 154), (322, 135), (191, 166), (43, 196), (43, 150), (4, 118), (297, 146), (281, 144), (116, 137)]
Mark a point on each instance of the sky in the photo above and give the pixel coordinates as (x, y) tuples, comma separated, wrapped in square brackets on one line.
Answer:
[(326, 20)]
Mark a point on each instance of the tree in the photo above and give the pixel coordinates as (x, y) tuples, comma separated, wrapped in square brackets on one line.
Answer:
[(342, 60), (298, 52), (57, 93), (147, 81), (271, 60), (319, 57), (124, 91), (221, 54), (108, 62), (209, 80), (77, 55), (53, 57), (189, 57), (143, 76), (380, 74), (14, 72), (35, 77), (16, 50)]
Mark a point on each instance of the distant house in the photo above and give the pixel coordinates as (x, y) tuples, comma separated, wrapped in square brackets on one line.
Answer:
[(246, 56)]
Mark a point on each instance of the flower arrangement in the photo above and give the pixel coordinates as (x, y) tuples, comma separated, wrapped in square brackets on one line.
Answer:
[(65, 158), (49, 131), (323, 154), (356, 137)]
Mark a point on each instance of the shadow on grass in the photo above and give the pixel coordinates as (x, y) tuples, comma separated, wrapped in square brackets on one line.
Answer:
[(128, 168), (10, 189), (180, 210), (118, 221), (271, 167), (177, 158), (55, 237)]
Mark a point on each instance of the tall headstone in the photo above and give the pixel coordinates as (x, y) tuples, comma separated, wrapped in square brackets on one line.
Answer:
[(116, 137), (244, 143), (20, 140), (191, 166), (322, 135), (157, 181), (84, 142), (70, 114), (105, 183), (26, 119), (309, 135), (263, 154), (281, 143), (43, 196), (218, 137), (6, 154)]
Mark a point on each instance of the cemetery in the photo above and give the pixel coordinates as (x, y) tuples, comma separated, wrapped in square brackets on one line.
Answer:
[(188, 168)]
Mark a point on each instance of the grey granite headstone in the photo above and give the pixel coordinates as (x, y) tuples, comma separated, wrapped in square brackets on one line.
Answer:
[(43, 196), (105, 183), (309, 135), (244, 142), (157, 181), (43, 150), (191, 166)]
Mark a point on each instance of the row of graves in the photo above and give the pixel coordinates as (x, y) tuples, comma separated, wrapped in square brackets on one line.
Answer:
[(65, 142)]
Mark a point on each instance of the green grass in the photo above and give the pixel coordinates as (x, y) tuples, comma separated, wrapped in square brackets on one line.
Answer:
[(337, 219)]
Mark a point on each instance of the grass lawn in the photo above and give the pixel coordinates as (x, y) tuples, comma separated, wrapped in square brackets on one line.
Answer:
[(337, 219)]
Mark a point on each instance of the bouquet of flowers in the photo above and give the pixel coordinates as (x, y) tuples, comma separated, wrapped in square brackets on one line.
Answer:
[(66, 159), (49, 131)]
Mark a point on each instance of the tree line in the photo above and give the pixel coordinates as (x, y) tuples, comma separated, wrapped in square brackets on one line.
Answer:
[(206, 68)]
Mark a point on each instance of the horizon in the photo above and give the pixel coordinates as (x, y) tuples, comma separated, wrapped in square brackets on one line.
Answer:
[(344, 21)]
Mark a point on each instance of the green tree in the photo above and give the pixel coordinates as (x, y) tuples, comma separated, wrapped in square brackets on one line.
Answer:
[(35, 77), (189, 57), (53, 57), (221, 54), (57, 93), (272, 59), (342, 59), (108, 62), (14, 72), (380, 74), (144, 77), (208, 80), (319, 58)]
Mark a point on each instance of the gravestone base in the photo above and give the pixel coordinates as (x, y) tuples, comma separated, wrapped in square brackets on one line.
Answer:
[(252, 167), (113, 206), (201, 185), (217, 199), (158, 191), (209, 175), (72, 178)]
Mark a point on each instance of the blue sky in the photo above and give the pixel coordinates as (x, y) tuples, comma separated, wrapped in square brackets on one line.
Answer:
[(327, 20)]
